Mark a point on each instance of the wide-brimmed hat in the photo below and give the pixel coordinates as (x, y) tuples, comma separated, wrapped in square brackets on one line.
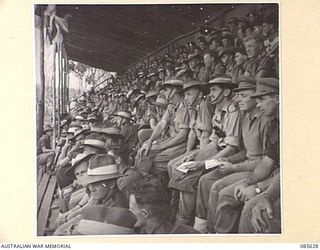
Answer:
[(111, 131), (151, 74), (79, 117), (94, 140), (266, 86), (124, 114), (194, 56), (182, 72), (151, 93), (161, 70), (73, 128), (79, 132), (161, 102), (92, 118), (103, 220), (75, 162), (138, 98), (192, 83), (47, 128), (245, 83), (173, 82), (222, 80), (101, 167)]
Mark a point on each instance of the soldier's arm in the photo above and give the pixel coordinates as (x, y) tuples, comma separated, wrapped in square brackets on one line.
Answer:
[(261, 172), (273, 191), (158, 130), (179, 138)]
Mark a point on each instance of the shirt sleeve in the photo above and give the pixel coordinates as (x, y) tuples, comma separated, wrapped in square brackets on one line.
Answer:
[(183, 118), (204, 118), (232, 128)]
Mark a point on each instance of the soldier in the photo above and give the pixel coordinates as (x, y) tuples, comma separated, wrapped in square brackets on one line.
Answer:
[(254, 132), (150, 204), (177, 120), (102, 220), (223, 141), (232, 197), (127, 129), (45, 155), (101, 182), (194, 61)]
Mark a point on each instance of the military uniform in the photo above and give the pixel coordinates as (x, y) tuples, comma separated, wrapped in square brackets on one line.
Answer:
[(228, 120), (228, 208), (176, 118)]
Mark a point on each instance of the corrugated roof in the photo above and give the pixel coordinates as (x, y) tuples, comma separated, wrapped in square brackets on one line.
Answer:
[(112, 37)]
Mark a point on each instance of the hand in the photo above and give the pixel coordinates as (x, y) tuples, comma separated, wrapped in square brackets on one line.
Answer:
[(196, 165), (227, 168), (239, 188), (144, 149), (224, 159), (189, 157), (257, 221), (247, 193)]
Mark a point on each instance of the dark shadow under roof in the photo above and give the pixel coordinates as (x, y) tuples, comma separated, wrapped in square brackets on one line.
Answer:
[(112, 37)]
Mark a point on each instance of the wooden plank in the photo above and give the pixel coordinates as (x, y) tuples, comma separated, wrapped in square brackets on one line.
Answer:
[(45, 207), (42, 189)]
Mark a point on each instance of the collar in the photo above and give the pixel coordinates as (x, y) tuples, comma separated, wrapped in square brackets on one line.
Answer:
[(227, 106), (253, 114)]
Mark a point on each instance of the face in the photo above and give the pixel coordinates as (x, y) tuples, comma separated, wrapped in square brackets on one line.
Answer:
[(202, 45), (216, 94), (81, 170), (80, 140), (193, 63), (225, 58), (213, 45), (252, 48), (268, 104), (207, 60), (137, 211), (248, 31), (267, 28), (239, 58), (190, 96), (225, 42), (161, 75), (98, 190), (245, 102)]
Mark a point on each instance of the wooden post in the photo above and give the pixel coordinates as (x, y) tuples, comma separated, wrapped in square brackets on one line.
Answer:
[(54, 98), (59, 89), (40, 118)]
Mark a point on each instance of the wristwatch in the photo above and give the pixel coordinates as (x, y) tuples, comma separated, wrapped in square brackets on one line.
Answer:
[(257, 189)]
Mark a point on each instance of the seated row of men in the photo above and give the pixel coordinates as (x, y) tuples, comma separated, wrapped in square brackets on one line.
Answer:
[(210, 164)]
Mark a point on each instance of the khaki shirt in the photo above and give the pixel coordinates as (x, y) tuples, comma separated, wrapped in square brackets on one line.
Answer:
[(200, 118), (228, 119), (254, 134), (176, 118)]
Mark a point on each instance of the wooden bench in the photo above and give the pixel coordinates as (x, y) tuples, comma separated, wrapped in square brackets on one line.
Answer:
[(45, 194)]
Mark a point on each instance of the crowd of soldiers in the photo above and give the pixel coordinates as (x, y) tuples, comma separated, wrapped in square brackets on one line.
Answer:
[(186, 145)]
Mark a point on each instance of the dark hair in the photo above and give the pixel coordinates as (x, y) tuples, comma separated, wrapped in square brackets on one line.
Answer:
[(154, 195)]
